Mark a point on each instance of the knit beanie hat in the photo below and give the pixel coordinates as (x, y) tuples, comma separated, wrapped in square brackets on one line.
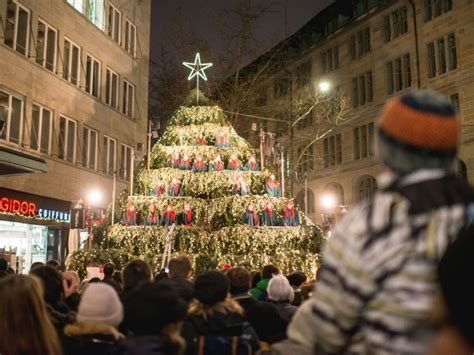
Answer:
[(453, 274), (100, 304), (418, 130), (211, 287), (151, 307)]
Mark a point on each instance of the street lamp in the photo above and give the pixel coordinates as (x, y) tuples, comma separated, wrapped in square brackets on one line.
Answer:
[(324, 86), (93, 198)]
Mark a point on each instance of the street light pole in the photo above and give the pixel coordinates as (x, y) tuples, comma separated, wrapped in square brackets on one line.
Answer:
[(291, 129)]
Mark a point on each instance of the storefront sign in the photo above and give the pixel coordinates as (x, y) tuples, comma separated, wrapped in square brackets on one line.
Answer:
[(34, 206)]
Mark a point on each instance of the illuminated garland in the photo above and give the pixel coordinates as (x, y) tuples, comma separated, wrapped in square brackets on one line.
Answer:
[(198, 115)]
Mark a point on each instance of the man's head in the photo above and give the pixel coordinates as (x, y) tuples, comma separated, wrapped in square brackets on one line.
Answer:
[(109, 269), (180, 267), (54, 263), (136, 272), (418, 130), (239, 280), (268, 271), (297, 278)]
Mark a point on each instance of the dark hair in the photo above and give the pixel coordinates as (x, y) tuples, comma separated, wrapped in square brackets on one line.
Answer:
[(239, 280), (94, 280), (118, 277), (268, 271), (161, 275), (109, 269), (256, 278), (52, 284), (3, 264), (54, 263), (136, 272), (297, 278), (180, 267), (36, 264)]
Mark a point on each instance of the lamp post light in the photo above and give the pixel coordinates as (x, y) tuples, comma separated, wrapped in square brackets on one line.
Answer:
[(331, 209), (93, 199), (324, 86)]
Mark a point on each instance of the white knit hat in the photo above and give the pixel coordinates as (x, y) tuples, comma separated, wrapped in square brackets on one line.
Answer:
[(279, 289), (100, 304)]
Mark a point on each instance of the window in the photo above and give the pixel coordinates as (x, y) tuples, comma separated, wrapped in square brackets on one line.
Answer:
[(407, 70), (387, 30), (72, 62), (330, 60), (455, 101), (46, 46), (78, 5), (305, 161), (108, 158), (332, 147), (281, 87), (11, 112), (435, 8), (366, 188), (362, 46), (125, 161), (363, 141), (67, 139), (41, 129), (17, 27), (97, 12), (111, 88), (398, 74), (395, 24), (89, 148), (361, 6), (128, 104), (115, 24), (130, 38), (438, 58), (93, 76), (303, 74), (390, 85), (362, 89)]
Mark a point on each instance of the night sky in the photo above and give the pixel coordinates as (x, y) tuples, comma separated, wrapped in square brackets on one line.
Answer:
[(201, 17)]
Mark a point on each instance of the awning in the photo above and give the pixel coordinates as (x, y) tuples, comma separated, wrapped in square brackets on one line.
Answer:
[(17, 163)]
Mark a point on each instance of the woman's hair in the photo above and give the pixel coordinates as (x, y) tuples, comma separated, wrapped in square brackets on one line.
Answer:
[(52, 282), (229, 305), (279, 289), (25, 326)]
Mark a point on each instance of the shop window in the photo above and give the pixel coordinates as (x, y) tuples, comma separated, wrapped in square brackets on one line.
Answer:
[(67, 139), (46, 46), (71, 62), (109, 155), (93, 76), (125, 161), (11, 112), (41, 129), (17, 27), (115, 24), (128, 102), (111, 88), (365, 188), (130, 38), (89, 151)]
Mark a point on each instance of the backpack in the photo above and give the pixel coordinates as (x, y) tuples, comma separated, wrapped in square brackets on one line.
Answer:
[(224, 345)]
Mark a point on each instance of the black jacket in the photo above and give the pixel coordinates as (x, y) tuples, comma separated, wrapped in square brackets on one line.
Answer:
[(146, 344), (79, 340)]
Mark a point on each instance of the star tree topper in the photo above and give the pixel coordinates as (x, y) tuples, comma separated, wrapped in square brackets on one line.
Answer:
[(197, 70)]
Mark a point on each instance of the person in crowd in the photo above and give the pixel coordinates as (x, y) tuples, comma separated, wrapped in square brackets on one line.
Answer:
[(221, 140), (201, 139), (180, 271), (388, 246), (199, 165), (250, 216), (453, 307), (175, 188), (73, 281), (296, 279), (268, 217), (290, 216), (175, 161), (25, 326), (185, 163), (54, 263), (215, 320), (168, 217), (154, 314), (163, 274), (153, 217), (187, 217), (273, 187), (95, 332), (36, 264), (260, 291), (135, 273), (241, 188), (262, 316), (281, 294), (55, 290), (130, 217), (256, 277), (109, 271), (158, 189), (252, 164), (234, 163), (118, 278), (217, 164)]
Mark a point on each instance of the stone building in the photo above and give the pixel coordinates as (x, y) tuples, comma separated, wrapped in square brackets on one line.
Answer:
[(74, 100), (370, 51)]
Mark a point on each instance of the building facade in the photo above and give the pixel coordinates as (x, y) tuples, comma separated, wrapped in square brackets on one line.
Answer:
[(370, 51), (73, 92)]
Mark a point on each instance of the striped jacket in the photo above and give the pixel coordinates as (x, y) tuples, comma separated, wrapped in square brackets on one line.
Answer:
[(378, 275)]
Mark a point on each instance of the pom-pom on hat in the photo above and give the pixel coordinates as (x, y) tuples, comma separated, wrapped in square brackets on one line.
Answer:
[(211, 287), (418, 130), (100, 304)]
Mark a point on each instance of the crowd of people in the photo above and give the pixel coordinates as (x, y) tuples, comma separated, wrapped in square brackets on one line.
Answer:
[(393, 278)]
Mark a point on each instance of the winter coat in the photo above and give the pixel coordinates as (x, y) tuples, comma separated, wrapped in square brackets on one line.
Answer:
[(60, 316), (99, 339), (109, 280), (260, 292), (285, 309), (145, 345)]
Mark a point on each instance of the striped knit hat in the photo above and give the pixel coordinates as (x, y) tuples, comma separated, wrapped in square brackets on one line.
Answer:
[(418, 130)]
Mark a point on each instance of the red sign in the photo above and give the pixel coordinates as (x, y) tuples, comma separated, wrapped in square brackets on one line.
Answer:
[(12, 205)]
